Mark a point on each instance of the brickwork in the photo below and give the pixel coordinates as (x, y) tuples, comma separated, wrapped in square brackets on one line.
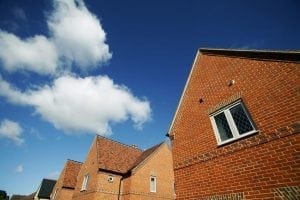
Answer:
[(159, 165), (255, 165), (133, 185), (90, 167), (64, 187)]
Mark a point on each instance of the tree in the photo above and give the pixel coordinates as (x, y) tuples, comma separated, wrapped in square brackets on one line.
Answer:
[(3, 195)]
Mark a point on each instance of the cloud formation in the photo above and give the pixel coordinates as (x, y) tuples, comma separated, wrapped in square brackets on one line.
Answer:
[(75, 37), (11, 130), (36, 54), (79, 105), (78, 34)]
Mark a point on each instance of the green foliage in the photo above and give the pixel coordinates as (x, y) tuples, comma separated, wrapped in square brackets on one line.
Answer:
[(3, 195)]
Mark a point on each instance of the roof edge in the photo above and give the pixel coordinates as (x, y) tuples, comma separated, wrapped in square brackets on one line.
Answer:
[(74, 161), (263, 54), (148, 157), (115, 141), (183, 93)]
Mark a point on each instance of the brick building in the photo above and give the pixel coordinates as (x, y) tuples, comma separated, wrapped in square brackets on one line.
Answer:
[(65, 185), (115, 171), (235, 134)]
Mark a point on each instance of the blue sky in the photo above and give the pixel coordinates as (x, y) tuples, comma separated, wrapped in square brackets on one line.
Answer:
[(69, 70)]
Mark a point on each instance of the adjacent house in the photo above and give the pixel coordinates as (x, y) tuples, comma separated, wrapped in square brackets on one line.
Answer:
[(65, 185), (235, 133), (115, 171), (45, 189)]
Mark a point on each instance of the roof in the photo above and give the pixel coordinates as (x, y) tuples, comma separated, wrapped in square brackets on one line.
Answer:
[(71, 171), (23, 197), (288, 55), (46, 188), (29, 197), (120, 158), (17, 197), (145, 155), (114, 156)]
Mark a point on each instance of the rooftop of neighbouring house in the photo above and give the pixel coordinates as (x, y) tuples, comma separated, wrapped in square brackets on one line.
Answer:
[(46, 188), (120, 158), (71, 171)]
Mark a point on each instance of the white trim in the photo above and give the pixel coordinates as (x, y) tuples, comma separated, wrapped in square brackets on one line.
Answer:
[(85, 182), (153, 184), (233, 128), (184, 90)]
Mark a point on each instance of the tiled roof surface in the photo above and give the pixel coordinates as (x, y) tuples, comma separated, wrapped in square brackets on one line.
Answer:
[(17, 197), (145, 155), (29, 197), (46, 188), (116, 157), (71, 171)]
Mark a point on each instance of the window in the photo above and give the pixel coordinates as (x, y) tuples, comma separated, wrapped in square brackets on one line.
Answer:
[(231, 123), (85, 182), (152, 184)]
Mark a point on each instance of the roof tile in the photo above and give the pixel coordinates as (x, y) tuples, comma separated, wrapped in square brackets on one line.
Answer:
[(72, 169)]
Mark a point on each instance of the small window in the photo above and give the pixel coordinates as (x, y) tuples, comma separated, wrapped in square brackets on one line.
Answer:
[(152, 184), (231, 123), (85, 182)]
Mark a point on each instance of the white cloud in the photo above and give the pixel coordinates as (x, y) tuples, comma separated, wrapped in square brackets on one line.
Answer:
[(11, 130), (20, 168), (36, 54), (76, 37), (78, 34), (87, 104)]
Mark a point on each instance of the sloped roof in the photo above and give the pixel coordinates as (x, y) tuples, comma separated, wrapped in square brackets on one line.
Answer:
[(286, 55), (17, 197), (114, 156), (46, 188), (119, 158), (71, 171), (29, 197), (145, 155)]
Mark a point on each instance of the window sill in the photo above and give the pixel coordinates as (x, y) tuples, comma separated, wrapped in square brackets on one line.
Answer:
[(232, 140)]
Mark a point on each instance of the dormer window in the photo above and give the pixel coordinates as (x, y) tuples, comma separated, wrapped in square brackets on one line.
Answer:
[(232, 122), (85, 182)]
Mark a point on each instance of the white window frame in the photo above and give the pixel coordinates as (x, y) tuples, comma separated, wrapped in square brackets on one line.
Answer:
[(85, 182), (153, 184), (231, 123)]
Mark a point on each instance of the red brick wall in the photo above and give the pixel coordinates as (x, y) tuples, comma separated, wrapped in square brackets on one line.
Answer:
[(160, 165), (250, 168), (90, 166), (64, 186)]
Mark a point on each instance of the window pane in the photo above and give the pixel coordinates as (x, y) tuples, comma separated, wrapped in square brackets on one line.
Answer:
[(241, 120), (223, 127)]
